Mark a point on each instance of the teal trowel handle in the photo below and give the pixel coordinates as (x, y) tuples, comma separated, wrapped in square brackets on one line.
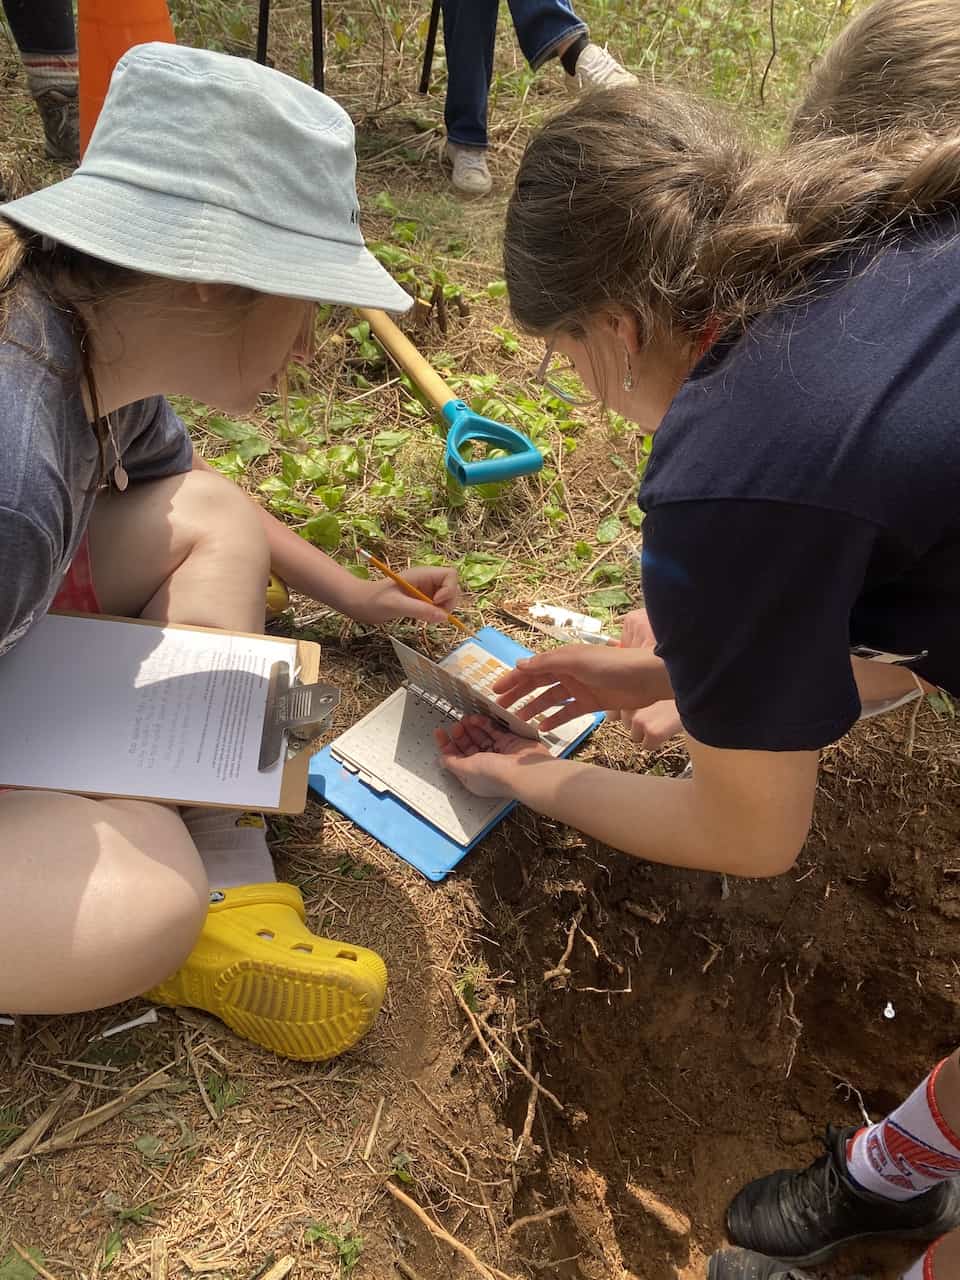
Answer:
[(522, 456)]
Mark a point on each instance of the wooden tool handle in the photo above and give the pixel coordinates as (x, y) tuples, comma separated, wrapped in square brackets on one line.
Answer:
[(406, 355)]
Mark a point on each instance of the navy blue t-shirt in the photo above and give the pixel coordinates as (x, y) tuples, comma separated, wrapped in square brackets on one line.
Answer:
[(803, 499)]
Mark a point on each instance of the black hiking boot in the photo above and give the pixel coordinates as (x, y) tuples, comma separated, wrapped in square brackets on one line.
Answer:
[(802, 1218), (60, 114), (741, 1264)]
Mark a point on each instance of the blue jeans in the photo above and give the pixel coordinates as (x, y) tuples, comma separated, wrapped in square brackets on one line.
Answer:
[(469, 35), (42, 26)]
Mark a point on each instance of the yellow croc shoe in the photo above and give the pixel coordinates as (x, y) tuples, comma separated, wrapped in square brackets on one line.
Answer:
[(259, 969)]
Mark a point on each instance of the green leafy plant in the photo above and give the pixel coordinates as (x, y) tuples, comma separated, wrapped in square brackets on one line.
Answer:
[(111, 1247), (609, 598), (13, 1267), (479, 568), (609, 530), (222, 1092), (351, 870), (400, 1167), (467, 983), (347, 1243)]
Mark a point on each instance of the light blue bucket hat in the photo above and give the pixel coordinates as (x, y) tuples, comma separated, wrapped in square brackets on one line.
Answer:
[(211, 168)]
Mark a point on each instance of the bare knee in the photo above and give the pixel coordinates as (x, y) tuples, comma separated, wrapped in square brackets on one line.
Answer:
[(99, 900), (218, 509)]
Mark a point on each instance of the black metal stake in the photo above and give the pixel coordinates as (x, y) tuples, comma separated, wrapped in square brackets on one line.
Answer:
[(316, 23), (263, 24), (430, 46)]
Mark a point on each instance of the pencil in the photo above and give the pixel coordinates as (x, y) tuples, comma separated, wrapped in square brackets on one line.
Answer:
[(408, 587)]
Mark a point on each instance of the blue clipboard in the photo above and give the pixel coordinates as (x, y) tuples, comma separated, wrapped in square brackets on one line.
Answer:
[(386, 818)]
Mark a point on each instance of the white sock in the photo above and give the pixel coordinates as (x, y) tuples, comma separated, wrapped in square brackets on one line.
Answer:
[(50, 71), (232, 844), (908, 1152)]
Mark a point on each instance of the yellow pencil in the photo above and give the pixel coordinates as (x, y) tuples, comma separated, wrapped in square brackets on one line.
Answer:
[(408, 587)]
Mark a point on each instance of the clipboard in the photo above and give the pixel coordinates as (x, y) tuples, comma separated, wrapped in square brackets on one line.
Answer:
[(271, 726), (385, 817)]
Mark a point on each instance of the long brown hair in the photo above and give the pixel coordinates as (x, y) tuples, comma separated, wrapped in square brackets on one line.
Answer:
[(897, 63), (66, 278), (76, 283), (647, 199)]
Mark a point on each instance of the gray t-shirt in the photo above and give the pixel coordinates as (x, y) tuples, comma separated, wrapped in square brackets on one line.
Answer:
[(49, 461)]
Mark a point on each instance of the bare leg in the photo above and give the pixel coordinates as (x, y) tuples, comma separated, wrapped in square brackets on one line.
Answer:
[(99, 900), (102, 899), (946, 1258), (187, 549), (947, 1091)]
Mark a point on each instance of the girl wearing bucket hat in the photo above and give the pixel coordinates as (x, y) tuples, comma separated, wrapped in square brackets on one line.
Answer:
[(214, 207)]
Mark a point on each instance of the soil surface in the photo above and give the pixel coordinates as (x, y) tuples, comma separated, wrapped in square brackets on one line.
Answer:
[(707, 1030)]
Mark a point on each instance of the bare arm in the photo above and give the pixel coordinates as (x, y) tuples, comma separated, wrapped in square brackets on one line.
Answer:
[(310, 571), (743, 812)]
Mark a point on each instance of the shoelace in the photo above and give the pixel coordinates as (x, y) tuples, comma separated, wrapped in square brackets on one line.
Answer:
[(825, 1188), (604, 69), (472, 161), (57, 110)]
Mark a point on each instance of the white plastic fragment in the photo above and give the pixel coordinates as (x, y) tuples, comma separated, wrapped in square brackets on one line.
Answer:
[(888, 1010), (566, 618), (142, 1021)]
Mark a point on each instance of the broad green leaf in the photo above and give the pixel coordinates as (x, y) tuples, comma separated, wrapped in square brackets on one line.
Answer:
[(438, 525), (112, 1246), (252, 447), (290, 469), (388, 442), (634, 516), (368, 527), (13, 1267), (497, 289), (608, 598), (383, 201), (274, 487), (609, 530), (331, 495), (344, 458), (479, 568), (323, 531), (607, 573), (229, 464), (228, 429), (942, 703)]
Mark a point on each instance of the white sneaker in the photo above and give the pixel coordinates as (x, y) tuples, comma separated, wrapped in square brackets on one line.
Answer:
[(470, 172), (597, 69)]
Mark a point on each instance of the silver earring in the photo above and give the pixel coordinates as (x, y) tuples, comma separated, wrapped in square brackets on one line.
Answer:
[(628, 376)]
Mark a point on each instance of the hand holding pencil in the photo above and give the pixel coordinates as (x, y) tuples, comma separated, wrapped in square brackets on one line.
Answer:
[(424, 592)]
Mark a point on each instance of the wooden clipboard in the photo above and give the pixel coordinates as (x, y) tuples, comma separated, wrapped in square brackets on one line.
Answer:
[(304, 657)]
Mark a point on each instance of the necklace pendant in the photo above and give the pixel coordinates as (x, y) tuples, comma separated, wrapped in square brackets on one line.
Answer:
[(120, 478)]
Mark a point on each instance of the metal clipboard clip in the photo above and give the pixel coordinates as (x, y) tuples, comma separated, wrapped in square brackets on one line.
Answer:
[(293, 710)]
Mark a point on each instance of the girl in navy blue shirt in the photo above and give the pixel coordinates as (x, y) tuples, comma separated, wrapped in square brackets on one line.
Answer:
[(789, 326)]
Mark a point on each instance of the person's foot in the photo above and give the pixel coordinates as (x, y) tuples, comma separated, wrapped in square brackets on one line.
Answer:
[(598, 69), (470, 172), (60, 113), (257, 967), (803, 1217), (741, 1264)]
